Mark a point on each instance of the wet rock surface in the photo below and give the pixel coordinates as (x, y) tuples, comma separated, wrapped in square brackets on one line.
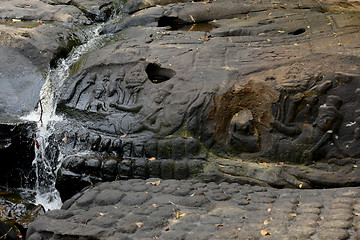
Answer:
[(16, 214), (190, 209), (16, 150)]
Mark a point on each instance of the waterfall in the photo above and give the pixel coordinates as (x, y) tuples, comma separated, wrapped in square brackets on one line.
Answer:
[(48, 156)]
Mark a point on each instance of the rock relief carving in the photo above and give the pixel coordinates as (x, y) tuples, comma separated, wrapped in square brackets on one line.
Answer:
[(307, 122), (134, 98)]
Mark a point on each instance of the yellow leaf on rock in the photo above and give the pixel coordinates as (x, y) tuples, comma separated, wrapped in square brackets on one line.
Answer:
[(156, 183), (152, 159), (179, 214), (300, 185), (264, 232), (101, 214), (16, 20), (292, 214)]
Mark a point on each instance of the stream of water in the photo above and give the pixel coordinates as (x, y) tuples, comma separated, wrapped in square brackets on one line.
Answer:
[(46, 162)]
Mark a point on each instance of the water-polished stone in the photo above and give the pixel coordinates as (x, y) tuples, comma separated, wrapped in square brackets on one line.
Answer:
[(109, 209)]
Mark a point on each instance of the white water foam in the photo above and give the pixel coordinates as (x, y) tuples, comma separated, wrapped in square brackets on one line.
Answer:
[(46, 164)]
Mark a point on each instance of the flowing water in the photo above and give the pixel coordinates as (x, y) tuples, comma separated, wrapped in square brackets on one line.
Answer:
[(48, 158)]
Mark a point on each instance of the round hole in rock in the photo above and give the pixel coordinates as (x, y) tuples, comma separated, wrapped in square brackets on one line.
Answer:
[(298, 31), (173, 22), (157, 74)]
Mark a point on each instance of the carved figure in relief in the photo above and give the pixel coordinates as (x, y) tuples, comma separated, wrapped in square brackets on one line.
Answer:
[(313, 142), (243, 134), (97, 99), (352, 148)]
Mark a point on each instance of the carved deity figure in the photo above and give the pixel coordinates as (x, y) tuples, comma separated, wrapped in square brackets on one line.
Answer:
[(243, 134), (314, 139), (97, 100), (352, 148)]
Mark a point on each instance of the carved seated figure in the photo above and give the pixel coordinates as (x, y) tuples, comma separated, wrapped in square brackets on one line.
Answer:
[(352, 148), (243, 135), (314, 140)]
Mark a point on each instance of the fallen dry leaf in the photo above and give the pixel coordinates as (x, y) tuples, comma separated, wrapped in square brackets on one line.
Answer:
[(266, 222), (300, 185), (64, 139), (264, 232), (179, 214), (152, 159), (292, 214), (123, 136), (101, 214), (249, 198), (357, 214), (156, 183), (139, 224), (219, 224)]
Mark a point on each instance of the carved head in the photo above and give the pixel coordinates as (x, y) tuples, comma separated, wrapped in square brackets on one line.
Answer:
[(328, 113)]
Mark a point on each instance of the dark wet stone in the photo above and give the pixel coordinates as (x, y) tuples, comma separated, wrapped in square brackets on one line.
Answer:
[(108, 197), (167, 169), (133, 199), (125, 169), (164, 149), (17, 150), (127, 227), (109, 170), (181, 170), (194, 201), (140, 168)]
